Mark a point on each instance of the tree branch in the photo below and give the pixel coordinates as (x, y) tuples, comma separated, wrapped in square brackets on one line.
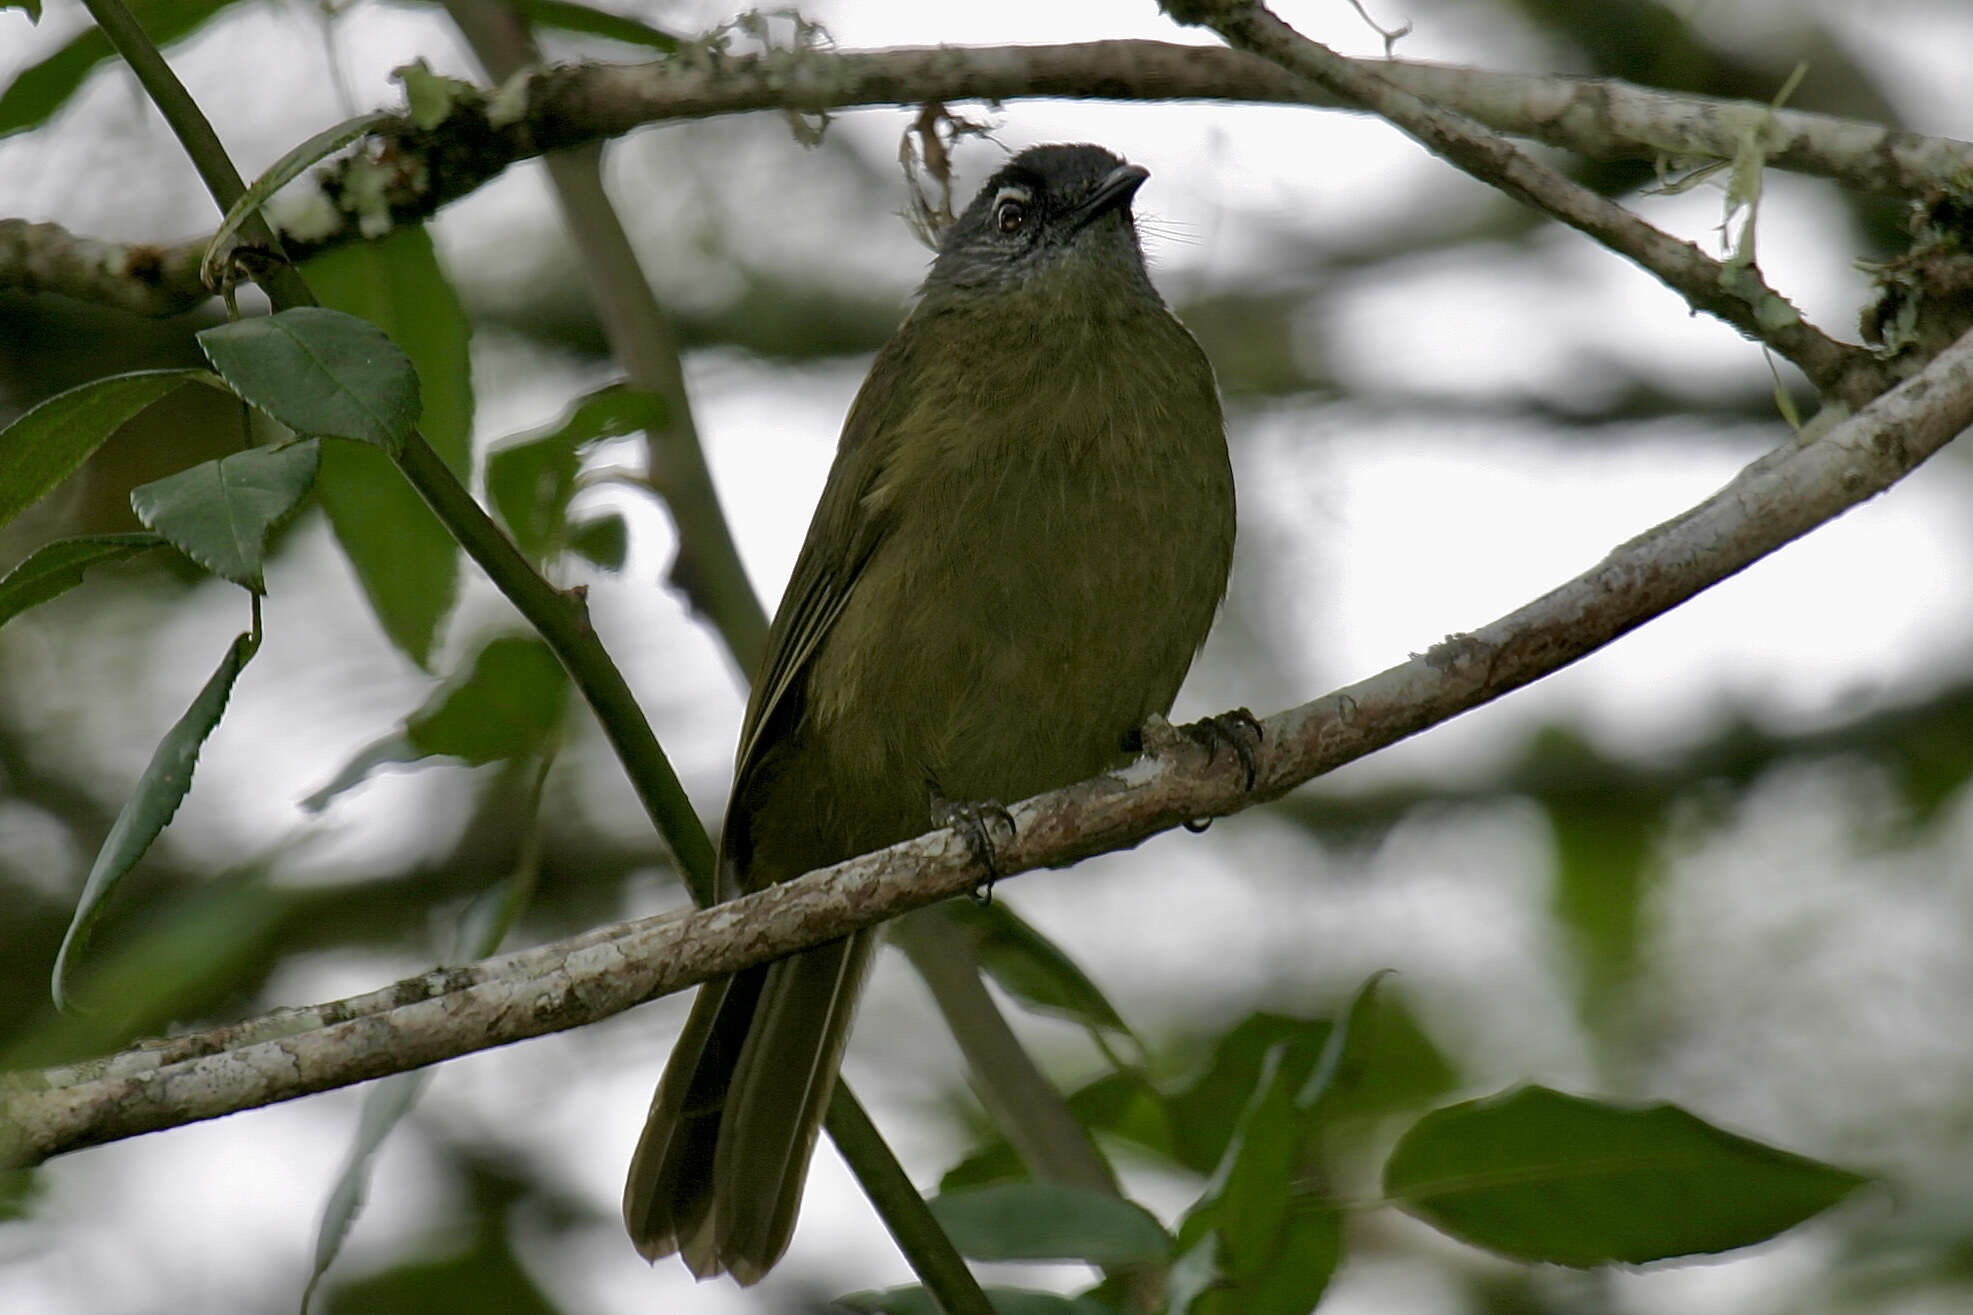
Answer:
[(545, 108), (1732, 290), (451, 1012)]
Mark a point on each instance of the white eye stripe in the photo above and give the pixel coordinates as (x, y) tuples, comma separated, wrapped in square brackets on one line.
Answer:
[(1015, 193)]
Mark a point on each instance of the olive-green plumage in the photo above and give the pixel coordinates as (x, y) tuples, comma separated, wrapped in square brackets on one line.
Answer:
[(1020, 547)]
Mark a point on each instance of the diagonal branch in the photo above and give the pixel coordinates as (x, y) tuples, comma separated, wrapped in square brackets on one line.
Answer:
[(1733, 291), (451, 1012), (544, 108)]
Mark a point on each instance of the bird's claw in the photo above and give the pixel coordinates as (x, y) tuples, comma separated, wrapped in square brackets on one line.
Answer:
[(1239, 730), (974, 823)]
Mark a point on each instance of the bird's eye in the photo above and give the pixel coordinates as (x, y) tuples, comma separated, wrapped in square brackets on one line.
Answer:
[(1010, 215)]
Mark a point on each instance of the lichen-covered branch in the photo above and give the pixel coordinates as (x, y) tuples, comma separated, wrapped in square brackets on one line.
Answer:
[(1833, 466)]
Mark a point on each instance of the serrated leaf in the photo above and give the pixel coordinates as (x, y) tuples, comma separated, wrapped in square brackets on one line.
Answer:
[(43, 447), (508, 705), (278, 175), (1046, 1221), (1034, 970), (406, 562), (914, 1300), (159, 792), (55, 568), (219, 513), (320, 372), (1543, 1176), (40, 89)]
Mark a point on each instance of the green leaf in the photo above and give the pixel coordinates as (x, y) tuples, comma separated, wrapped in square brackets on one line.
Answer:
[(40, 89), (186, 958), (1045, 1221), (603, 542), (1205, 1114), (385, 1104), (55, 568), (159, 792), (1260, 1238), (219, 513), (43, 447), (1122, 1103), (508, 705), (320, 372), (1034, 970), (530, 480), (914, 1300), (278, 175), (407, 563), (591, 21), (1543, 1176)]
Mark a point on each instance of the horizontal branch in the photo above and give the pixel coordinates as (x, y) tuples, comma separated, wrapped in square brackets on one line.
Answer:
[(451, 1012), (540, 109)]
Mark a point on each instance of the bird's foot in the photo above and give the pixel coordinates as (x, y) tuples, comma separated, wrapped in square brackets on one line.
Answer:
[(974, 823)]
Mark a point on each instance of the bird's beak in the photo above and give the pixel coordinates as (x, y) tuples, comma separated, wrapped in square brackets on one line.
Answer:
[(1113, 193)]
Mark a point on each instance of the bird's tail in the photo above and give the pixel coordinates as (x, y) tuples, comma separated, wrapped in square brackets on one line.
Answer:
[(719, 1171)]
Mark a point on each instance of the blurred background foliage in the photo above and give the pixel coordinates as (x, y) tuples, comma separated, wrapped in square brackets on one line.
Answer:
[(1760, 912)]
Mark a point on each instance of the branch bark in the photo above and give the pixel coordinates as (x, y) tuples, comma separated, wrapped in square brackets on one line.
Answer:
[(542, 109), (1834, 465)]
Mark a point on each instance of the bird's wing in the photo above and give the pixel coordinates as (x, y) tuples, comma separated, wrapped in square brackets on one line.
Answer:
[(847, 527)]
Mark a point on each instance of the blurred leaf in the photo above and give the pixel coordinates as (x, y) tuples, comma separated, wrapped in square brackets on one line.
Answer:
[(1046, 1221), (1034, 970), (219, 513), (1205, 1114), (31, 7), (1543, 1176), (159, 792), (408, 564), (20, 1191), (43, 447), (320, 371), (386, 1102), (507, 706), (1259, 1238), (1603, 849), (189, 957), (1122, 1103), (40, 89), (484, 1275), (530, 480), (55, 568), (604, 541), (530, 485), (393, 748), (1380, 1061), (915, 1300), (591, 21)]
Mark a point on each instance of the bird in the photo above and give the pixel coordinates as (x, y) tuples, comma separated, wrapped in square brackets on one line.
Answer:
[(1020, 547)]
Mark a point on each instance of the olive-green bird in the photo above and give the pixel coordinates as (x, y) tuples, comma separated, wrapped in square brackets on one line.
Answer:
[(1021, 545)]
